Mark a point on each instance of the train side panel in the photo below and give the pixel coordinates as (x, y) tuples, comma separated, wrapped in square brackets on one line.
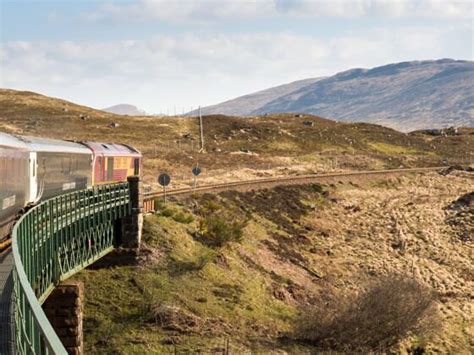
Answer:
[(60, 173), (57, 167), (13, 183)]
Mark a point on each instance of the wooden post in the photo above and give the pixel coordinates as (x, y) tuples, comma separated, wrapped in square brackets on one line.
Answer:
[(201, 130)]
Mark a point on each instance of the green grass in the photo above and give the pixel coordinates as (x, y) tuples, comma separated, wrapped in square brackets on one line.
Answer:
[(391, 149), (229, 296)]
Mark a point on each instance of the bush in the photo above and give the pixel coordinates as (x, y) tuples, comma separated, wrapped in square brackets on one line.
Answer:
[(376, 319), (181, 267), (183, 218), (216, 231), (167, 212)]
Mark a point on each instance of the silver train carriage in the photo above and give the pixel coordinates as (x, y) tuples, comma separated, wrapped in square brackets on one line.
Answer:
[(56, 167), (35, 169)]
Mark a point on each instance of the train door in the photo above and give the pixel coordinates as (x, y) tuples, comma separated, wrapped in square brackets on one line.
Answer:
[(33, 178), (110, 169), (136, 166)]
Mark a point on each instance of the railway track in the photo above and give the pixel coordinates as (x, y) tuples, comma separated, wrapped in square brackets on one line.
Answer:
[(291, 180)]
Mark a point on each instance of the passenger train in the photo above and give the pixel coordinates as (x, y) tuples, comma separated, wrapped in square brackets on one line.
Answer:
[(36, 169)]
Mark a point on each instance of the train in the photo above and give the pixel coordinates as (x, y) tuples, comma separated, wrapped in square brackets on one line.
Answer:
[(35, 169)]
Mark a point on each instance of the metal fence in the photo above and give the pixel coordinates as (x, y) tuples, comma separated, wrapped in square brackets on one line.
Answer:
[(51, 242)]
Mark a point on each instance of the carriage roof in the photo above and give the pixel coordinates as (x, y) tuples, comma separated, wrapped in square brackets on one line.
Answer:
[(8, 140), (53, 145), (112, 149)]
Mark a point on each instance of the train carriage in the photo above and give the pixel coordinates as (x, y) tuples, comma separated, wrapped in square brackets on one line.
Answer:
[(56, 167), (14, 157), (113, 162), (36, 169)]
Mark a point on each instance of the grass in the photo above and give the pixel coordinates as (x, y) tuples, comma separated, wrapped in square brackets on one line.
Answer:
[(391, 149), (187, 296), (145, 308)]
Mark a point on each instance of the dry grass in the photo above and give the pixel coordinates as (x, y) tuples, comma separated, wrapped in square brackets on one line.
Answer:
[(236, 147), (374, 320)]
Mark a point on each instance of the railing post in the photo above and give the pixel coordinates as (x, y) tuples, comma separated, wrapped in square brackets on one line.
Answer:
[(132, 224)]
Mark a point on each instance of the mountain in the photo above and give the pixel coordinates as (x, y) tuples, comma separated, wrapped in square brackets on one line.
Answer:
[(405, 96), (246, 105), (125, 109)]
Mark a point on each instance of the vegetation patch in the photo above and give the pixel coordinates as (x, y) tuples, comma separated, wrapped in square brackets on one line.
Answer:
[(461, 217), (391, 149), (216, 231), (291, 278), (374, 320)]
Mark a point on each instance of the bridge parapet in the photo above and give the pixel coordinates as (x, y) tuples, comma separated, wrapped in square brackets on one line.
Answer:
[(51, 242)]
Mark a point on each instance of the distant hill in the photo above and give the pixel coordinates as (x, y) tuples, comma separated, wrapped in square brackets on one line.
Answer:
[(246, 105), (405, 96), (125, 109)]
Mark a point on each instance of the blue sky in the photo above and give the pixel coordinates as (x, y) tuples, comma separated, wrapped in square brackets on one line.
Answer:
[(160, 54)]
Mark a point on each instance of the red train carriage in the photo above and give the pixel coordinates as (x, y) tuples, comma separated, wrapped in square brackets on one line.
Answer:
[(113, 162)]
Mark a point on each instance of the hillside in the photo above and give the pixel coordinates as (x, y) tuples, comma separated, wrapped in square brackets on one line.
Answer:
[(125, 109), (226, 271), (193, 291), (405, 96), (236, 147)]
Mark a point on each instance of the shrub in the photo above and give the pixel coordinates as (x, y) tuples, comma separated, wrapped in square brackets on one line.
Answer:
[(209, 206), (376, 319), (216, 231), (159, 203), (167, 212), (183, 218), (180, 267)]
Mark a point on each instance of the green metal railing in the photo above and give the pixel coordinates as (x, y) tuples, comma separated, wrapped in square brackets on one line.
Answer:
[(51, 242)]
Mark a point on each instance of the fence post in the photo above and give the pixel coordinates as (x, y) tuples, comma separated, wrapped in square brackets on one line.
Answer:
[(133, 223)]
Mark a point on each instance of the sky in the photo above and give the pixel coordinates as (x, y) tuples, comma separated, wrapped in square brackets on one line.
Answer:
[(172, 56)]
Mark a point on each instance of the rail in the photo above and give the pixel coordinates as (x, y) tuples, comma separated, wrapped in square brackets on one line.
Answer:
[(52, 241)]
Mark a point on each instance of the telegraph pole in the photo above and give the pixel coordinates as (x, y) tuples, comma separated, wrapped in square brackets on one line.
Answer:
[(201, 130)]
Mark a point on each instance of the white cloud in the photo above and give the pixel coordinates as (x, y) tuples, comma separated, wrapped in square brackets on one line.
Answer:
[(189, 69), (199, 11)]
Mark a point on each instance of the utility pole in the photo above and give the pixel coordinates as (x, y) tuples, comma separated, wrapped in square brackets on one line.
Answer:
[(201, 130)]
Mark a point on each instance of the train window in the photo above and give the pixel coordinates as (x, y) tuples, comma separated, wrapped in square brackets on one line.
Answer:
[(136, 166)]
